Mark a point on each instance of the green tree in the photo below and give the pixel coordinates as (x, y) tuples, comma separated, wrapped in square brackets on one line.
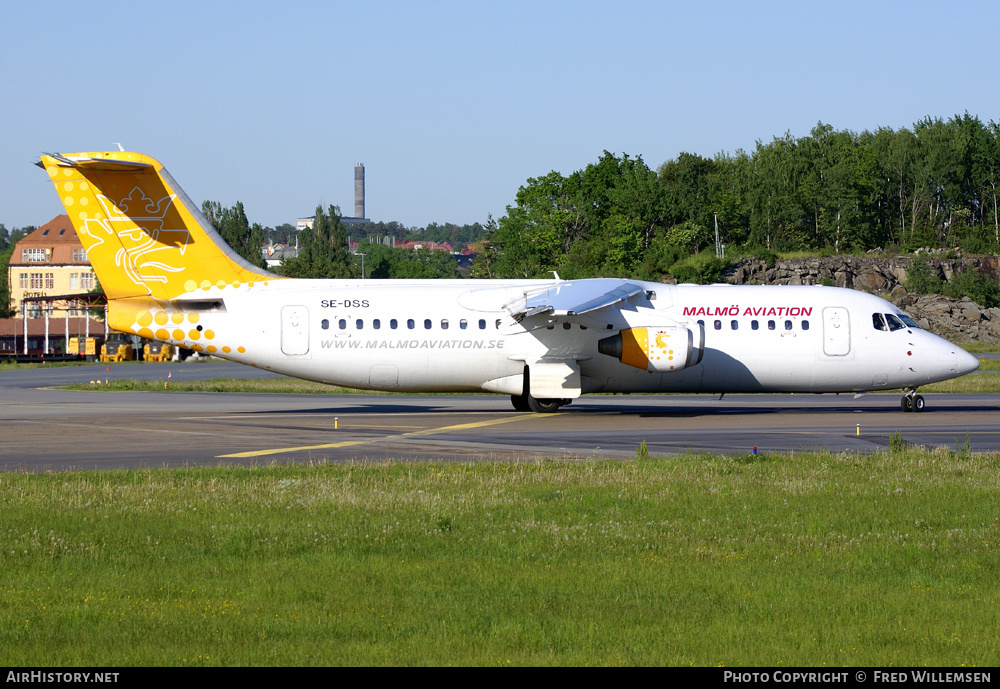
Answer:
[(233, 226), (691, 189), (385, 262), (537, 231), (985, 162), (5, 310), (323, 251), (770, 183), (597, 220)]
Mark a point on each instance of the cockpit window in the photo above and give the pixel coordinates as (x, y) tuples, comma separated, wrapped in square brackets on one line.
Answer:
[(894, 322), (879, 322), (909, 321)]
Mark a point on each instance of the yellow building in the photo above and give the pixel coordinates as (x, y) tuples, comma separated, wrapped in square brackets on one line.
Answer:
[(49, 262)]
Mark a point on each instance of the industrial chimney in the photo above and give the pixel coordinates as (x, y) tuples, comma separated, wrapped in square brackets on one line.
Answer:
[(359, 191)]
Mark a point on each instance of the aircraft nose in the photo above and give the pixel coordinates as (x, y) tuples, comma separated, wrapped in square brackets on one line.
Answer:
[(966, 362)]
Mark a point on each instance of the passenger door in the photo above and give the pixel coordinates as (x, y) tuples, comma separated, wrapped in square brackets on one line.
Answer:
[(836, 331), (295, 330)]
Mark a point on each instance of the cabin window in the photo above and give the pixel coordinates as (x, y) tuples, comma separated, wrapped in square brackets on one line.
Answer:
[(770, 325), (325, 324), (718, 325), (805, 325), (393, 323), (878, 322), (701, 323), (359, 324), (463, 324), (482, 324), (427, 324), (444, 324), (788, 325), (894, 322), (754, 325), (583, 327), (376, 324), (410, 323), (342, 324), (735, 325)]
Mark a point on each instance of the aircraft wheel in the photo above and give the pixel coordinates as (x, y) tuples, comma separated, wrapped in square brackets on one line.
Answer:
[(918, 403), (545, 406), (906, 403), (520, 402)]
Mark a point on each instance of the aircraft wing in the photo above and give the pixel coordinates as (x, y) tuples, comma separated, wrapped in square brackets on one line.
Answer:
[(573, 298)]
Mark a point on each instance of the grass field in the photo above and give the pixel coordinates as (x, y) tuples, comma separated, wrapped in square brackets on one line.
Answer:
[(980, 347), (969, 383), (802, 559), (282, 384)]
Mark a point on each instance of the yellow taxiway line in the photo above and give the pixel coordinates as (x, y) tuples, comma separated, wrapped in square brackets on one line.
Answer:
[(365, 441)]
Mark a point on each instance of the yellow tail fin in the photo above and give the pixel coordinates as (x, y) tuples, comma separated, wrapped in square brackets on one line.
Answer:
[(143, 235)]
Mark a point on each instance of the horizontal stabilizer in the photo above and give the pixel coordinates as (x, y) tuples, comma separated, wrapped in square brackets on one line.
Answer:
[(91, 163)]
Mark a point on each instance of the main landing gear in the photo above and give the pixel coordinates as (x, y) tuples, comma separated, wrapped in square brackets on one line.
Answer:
[(525, 402), (528, 403), (911, 401)]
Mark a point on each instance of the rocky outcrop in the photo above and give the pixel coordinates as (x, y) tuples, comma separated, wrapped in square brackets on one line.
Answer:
[(856, 272), (957, 320)]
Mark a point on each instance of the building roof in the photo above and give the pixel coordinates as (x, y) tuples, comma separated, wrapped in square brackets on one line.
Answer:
[(57, 326), (58, 238), (432, 246)]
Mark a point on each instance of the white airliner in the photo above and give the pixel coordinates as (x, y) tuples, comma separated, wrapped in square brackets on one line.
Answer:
[(169, 276)]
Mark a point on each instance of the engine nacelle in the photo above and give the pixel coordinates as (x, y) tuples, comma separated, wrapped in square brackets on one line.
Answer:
[(663, 349)]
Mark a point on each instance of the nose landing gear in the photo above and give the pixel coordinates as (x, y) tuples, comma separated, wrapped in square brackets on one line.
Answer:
[(911, 401)]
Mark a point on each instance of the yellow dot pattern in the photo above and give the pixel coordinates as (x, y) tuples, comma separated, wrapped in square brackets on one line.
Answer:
[(141, 321)]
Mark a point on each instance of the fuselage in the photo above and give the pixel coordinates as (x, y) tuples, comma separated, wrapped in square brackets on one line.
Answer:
[(169, 276), (460, 336)]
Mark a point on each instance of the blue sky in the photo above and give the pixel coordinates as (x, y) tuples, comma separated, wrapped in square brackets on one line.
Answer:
[(452, 106)]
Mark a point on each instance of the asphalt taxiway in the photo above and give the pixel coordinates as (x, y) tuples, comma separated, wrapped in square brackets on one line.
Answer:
[(48, 429)]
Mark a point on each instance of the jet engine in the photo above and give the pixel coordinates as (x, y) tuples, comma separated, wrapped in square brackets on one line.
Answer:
[(665, 349)]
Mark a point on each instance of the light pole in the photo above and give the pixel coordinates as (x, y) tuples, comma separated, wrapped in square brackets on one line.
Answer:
[(362, 265)]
